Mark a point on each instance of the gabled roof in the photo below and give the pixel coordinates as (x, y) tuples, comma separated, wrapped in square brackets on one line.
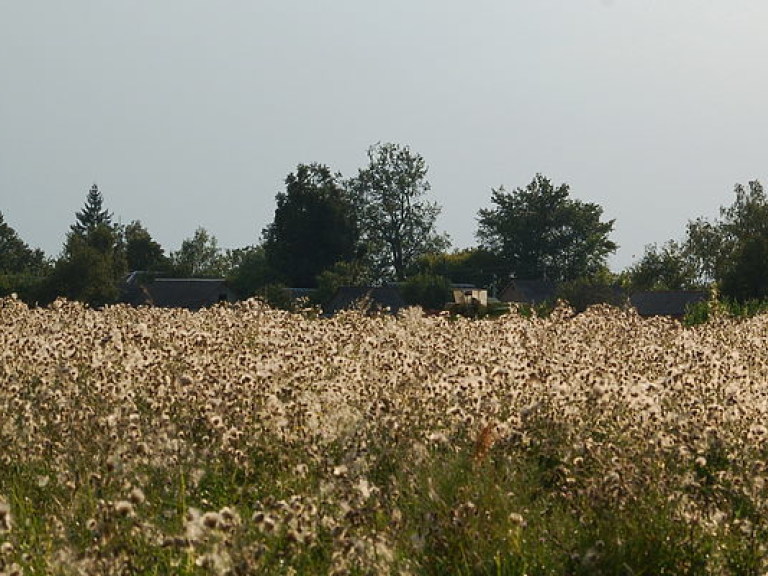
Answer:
[(191, 293), (529, 291), (666, 302), (371, 298)]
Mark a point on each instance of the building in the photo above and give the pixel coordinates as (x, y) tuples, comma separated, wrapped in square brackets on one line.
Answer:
[(190, 293), (368, 299), (529, 292), (467, 294), (674, 303)]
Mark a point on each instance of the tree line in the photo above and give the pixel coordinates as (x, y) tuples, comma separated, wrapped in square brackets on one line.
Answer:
[(379, 226)]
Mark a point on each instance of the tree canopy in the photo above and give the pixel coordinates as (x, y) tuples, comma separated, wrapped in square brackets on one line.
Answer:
[(540, 232), (730, 251), (666, 267), (93, 261), (397, 222), (16, 257), (142, 251), (93, 214), (199, 256), (315, 226)]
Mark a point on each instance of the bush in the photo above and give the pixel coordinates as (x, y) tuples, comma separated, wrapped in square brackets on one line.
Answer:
[(428, 291)]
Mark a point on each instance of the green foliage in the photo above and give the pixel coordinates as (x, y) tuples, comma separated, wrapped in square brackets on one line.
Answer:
[(249, 271), (353, 273), (475, 266), (277, 296), (746, 277), (731, 250), (600, 288), (141, 251), (93, 261), (16, 257), (539, 232), (91, 267), (23, 271), (427, 290), (92, 215), (315, 226), (702, 312), (669, 267), (397, 223), (199, 257)]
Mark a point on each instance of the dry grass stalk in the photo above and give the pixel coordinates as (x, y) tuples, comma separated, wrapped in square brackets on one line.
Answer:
[(485, 440)]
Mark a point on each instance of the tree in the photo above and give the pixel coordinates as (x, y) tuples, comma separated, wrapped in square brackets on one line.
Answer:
[(92, 215), (141, 251), (476, 266), (93, 262), (22, 269), (16, 257), (666, 267), (353, 273), (397, 223), (91, 267), (429, 291), (716, 247), (540, 232), (746, 277), (199, 256), (314, 226), (250, 272)]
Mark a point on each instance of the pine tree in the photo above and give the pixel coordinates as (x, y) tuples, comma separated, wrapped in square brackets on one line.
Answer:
[(92, 215)]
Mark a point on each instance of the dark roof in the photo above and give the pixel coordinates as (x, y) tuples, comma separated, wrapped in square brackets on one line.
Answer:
[(191, 293), (529, 291), (370, 298), (666, 302)]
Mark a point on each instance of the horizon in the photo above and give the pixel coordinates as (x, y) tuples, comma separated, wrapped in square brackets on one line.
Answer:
[(188, 114)]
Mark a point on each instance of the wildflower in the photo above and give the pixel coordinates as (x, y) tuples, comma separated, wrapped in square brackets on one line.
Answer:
[(136, 496), (6, 520), (517, 519), (124, 508), (211, 520)]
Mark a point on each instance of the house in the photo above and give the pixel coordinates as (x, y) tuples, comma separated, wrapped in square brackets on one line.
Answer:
[(469, 294), (366, 298), (190, 293), (666, 302), (529, 292)]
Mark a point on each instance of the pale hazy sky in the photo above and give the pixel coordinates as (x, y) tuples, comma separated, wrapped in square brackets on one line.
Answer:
[(190, 113)]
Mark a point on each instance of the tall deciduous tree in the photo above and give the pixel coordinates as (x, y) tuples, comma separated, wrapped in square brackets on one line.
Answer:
[(199, 256), (666, 267), (315, 226), (22, 269), (16, 257), (141, 251), (397, 222), (714, 245), (540, 232), (731, 250)]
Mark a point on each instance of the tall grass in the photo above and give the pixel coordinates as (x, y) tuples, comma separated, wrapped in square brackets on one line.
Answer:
[(248, 441)]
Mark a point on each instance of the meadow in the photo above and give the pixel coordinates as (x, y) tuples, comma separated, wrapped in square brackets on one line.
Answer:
[(245, 440)]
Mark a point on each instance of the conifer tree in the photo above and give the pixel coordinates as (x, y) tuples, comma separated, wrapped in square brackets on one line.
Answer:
[(92, 215)]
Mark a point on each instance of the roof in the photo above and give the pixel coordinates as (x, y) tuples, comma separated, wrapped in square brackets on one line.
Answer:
[(528, 291), (191, 293), (371, 298), (666, 302)]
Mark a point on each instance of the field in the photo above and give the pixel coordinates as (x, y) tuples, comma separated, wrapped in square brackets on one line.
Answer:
[(242, 440)]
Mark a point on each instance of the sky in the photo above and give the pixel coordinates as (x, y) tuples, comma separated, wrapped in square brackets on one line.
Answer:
[(190, 113)]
